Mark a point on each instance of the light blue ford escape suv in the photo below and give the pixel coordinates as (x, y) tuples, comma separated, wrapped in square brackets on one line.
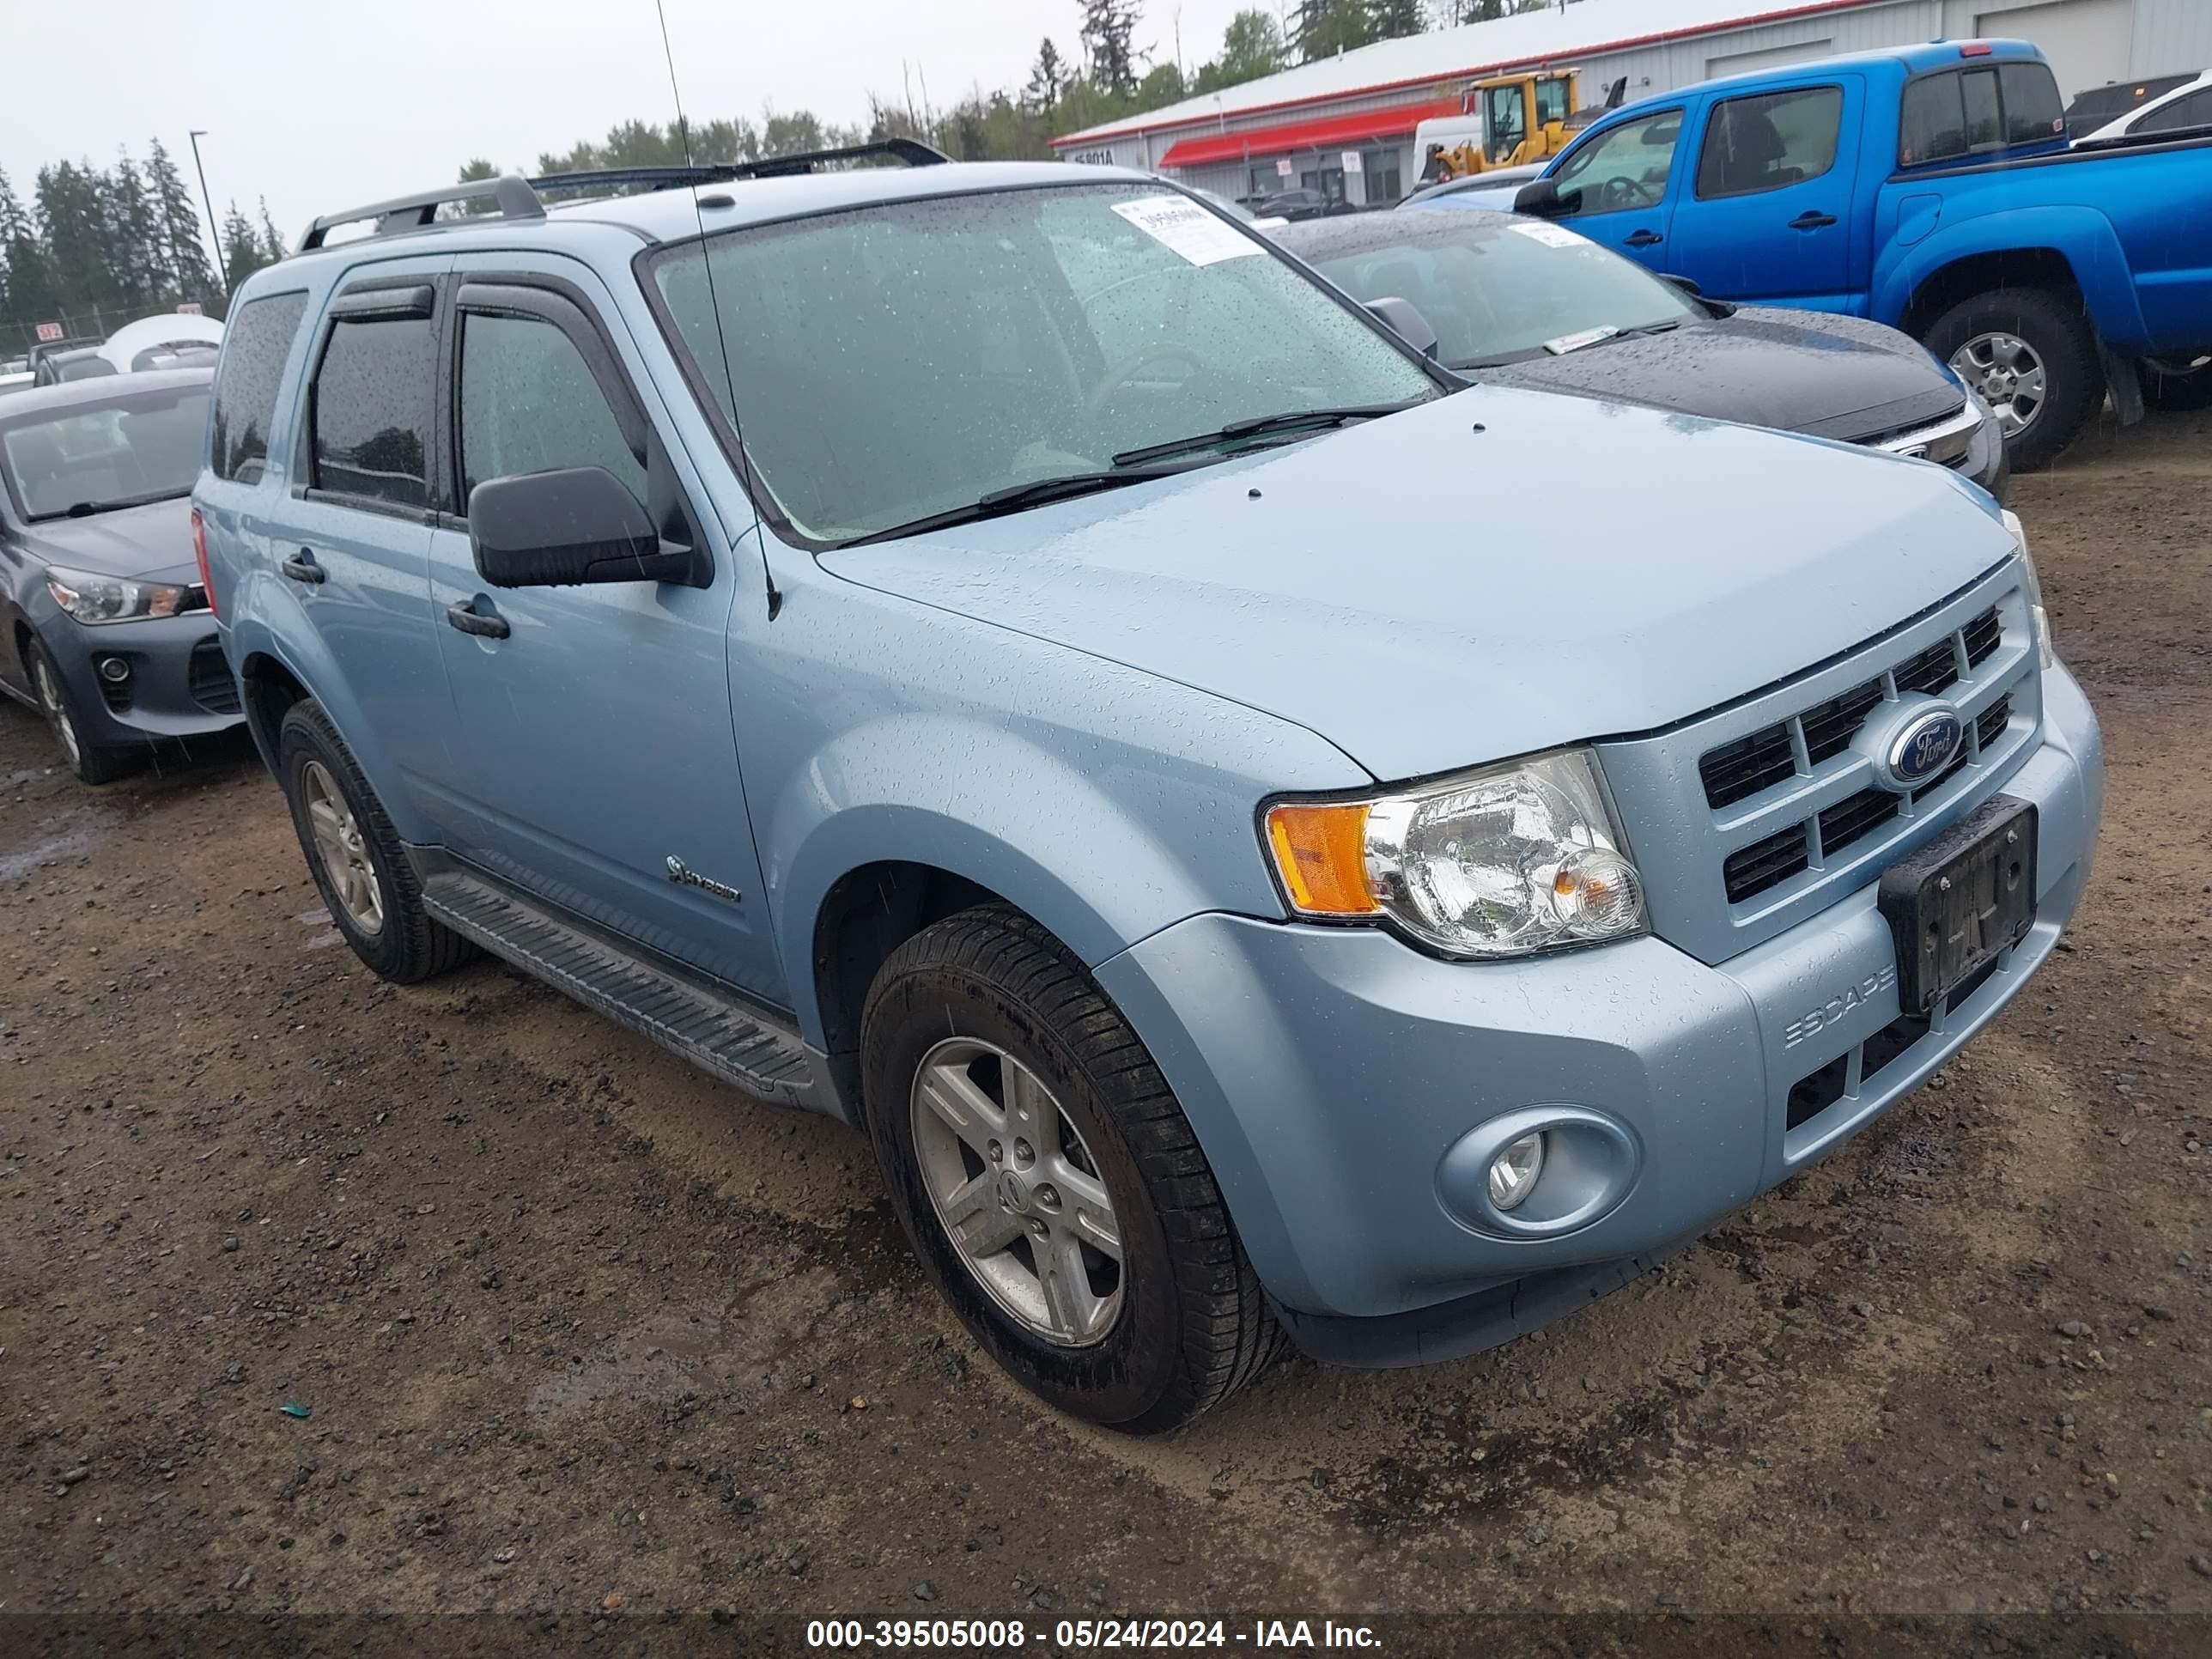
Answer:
[(1001, 656)]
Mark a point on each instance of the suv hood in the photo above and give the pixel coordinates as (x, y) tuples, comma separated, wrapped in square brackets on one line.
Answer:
[(1834, 377), (155, 540), (1490, 574)]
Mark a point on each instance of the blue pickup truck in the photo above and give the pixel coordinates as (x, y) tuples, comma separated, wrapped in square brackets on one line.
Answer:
[(1932, 188)]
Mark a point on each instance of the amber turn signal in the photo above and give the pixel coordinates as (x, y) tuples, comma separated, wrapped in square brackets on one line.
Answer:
[(1321, 853)]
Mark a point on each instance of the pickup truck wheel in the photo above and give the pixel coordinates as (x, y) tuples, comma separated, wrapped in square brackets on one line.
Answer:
[(2033, 356), (2177, 382), (1049, 1182), (359, 865)]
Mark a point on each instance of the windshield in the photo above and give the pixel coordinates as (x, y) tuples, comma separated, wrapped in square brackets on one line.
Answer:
[(1496, 287), (146, 448), (908, 358)]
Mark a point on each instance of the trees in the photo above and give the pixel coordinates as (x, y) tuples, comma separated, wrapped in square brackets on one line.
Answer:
[(1252, 46), (1322, 29), (1109, 35), (177, 219), (1045, 80), (242, 252)]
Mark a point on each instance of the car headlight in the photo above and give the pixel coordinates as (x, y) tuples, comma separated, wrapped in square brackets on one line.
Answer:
[(2038, 619), (91, 599), (1502, 861)]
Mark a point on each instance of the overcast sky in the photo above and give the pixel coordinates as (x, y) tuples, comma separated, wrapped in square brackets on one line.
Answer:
[(319, 106)]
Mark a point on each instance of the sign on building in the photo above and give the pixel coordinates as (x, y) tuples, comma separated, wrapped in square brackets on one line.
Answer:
[(188, 309), (1355, 177), (1100, 157), (49, 332), (1284, 167)]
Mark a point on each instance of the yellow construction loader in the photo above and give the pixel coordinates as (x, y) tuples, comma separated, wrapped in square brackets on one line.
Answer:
[(1509, 121)]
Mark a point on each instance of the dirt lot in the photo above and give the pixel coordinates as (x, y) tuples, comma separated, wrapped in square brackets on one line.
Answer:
[(574, 1324)]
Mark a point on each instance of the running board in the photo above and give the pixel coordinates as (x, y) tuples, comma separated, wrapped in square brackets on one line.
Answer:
[(710, 1027)]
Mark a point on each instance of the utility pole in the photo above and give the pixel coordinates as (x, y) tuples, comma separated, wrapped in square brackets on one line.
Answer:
[(214, 235)]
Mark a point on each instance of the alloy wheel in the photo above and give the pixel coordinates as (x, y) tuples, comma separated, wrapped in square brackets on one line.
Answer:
[(50, 699), (1018, 1192), (2008, 374), (344, 852)]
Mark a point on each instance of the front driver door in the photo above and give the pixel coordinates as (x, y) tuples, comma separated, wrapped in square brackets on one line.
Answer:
[(598, 727), (1621, 174)]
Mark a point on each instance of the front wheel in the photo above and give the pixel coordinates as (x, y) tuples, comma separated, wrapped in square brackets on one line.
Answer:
[(1049, 1182), (87, 760), (2032, 355)]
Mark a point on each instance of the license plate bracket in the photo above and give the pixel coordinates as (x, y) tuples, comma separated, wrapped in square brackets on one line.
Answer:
[(1960, 901)]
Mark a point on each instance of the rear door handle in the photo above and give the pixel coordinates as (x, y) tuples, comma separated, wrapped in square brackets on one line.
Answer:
[(464, 615), (1646, 238), (301, 567), (1812, 219)]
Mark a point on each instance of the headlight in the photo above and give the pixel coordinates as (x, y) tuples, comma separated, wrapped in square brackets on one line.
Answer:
[(2038, 619), (92, 598), (1499, 862)]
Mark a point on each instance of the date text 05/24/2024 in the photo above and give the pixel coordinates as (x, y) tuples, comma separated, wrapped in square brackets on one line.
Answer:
[(1068, 1634)]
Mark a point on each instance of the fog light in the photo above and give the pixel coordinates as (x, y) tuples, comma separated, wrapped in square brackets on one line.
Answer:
[(1513, 1173), (114, 670)]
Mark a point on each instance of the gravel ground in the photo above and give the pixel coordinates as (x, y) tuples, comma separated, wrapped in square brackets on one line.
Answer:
[(570, 1330)]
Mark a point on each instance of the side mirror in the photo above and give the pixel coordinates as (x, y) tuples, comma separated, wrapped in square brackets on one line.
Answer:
[(1545, 199), (1403, 318), (579, 524)]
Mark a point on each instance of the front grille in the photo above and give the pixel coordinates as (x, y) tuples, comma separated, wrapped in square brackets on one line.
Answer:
[(1752, 870), (211, 685), (1738, 770)]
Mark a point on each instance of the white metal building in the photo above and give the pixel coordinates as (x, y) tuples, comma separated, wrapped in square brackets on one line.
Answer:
[(1345, 123)]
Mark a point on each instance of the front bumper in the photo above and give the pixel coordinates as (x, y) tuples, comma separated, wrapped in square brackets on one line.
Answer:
[(1329, 1072), (177, 685)]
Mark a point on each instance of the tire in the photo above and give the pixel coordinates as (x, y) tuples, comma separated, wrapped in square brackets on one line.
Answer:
[(1187, 1324), (89, 762), (2054, 328), (2186, 384), (316, 769)]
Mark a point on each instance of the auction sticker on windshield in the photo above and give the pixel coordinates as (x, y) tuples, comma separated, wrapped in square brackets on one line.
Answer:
[(1549, 235), (1199, 236)]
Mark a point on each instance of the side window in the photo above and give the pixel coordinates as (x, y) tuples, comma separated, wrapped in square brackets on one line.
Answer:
[(2033, 110), (529, 403), (1931, 121), (256, 343), (1770, 142), (2194, 111), (1625, 167), (369, 415)]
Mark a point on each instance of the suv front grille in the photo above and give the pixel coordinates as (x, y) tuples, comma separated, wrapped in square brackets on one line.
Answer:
[(1752, 870), (210, 683), (1738, 770)]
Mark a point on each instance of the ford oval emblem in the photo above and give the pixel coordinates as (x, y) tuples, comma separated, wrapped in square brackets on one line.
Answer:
[(1923, 747)]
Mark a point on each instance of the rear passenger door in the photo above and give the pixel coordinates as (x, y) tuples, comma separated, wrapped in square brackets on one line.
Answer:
[(1766, 213), (599, 740), (356, 544)]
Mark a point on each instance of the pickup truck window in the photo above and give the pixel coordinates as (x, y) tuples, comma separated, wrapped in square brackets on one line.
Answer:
[(907, 358), (1770, 142), (369, 411), (1626, 168), (1964, 111), (256, 343), (529, 404)]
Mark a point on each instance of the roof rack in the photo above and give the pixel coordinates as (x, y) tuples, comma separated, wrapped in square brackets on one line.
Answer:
[(518, 199)]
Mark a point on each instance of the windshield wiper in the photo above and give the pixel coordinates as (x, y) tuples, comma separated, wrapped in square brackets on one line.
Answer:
[(1015, 497), (86, 509), (1264, 425)]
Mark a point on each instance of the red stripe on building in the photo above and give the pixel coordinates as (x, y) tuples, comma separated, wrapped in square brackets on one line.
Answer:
[(1331, 132), (1504, 65)]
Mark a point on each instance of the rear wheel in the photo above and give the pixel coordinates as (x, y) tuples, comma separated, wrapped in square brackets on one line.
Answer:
[(355, 856), (2178, 383), (87, 760), (2032, 355), (1049, 1182)]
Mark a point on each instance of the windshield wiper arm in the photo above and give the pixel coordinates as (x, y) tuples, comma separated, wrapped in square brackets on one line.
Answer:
[(1015, 497), (1263, 426)]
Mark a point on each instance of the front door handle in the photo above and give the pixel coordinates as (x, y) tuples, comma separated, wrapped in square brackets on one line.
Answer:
[(301, 567), (1646, 238), (1812, 219), (464, 615)]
